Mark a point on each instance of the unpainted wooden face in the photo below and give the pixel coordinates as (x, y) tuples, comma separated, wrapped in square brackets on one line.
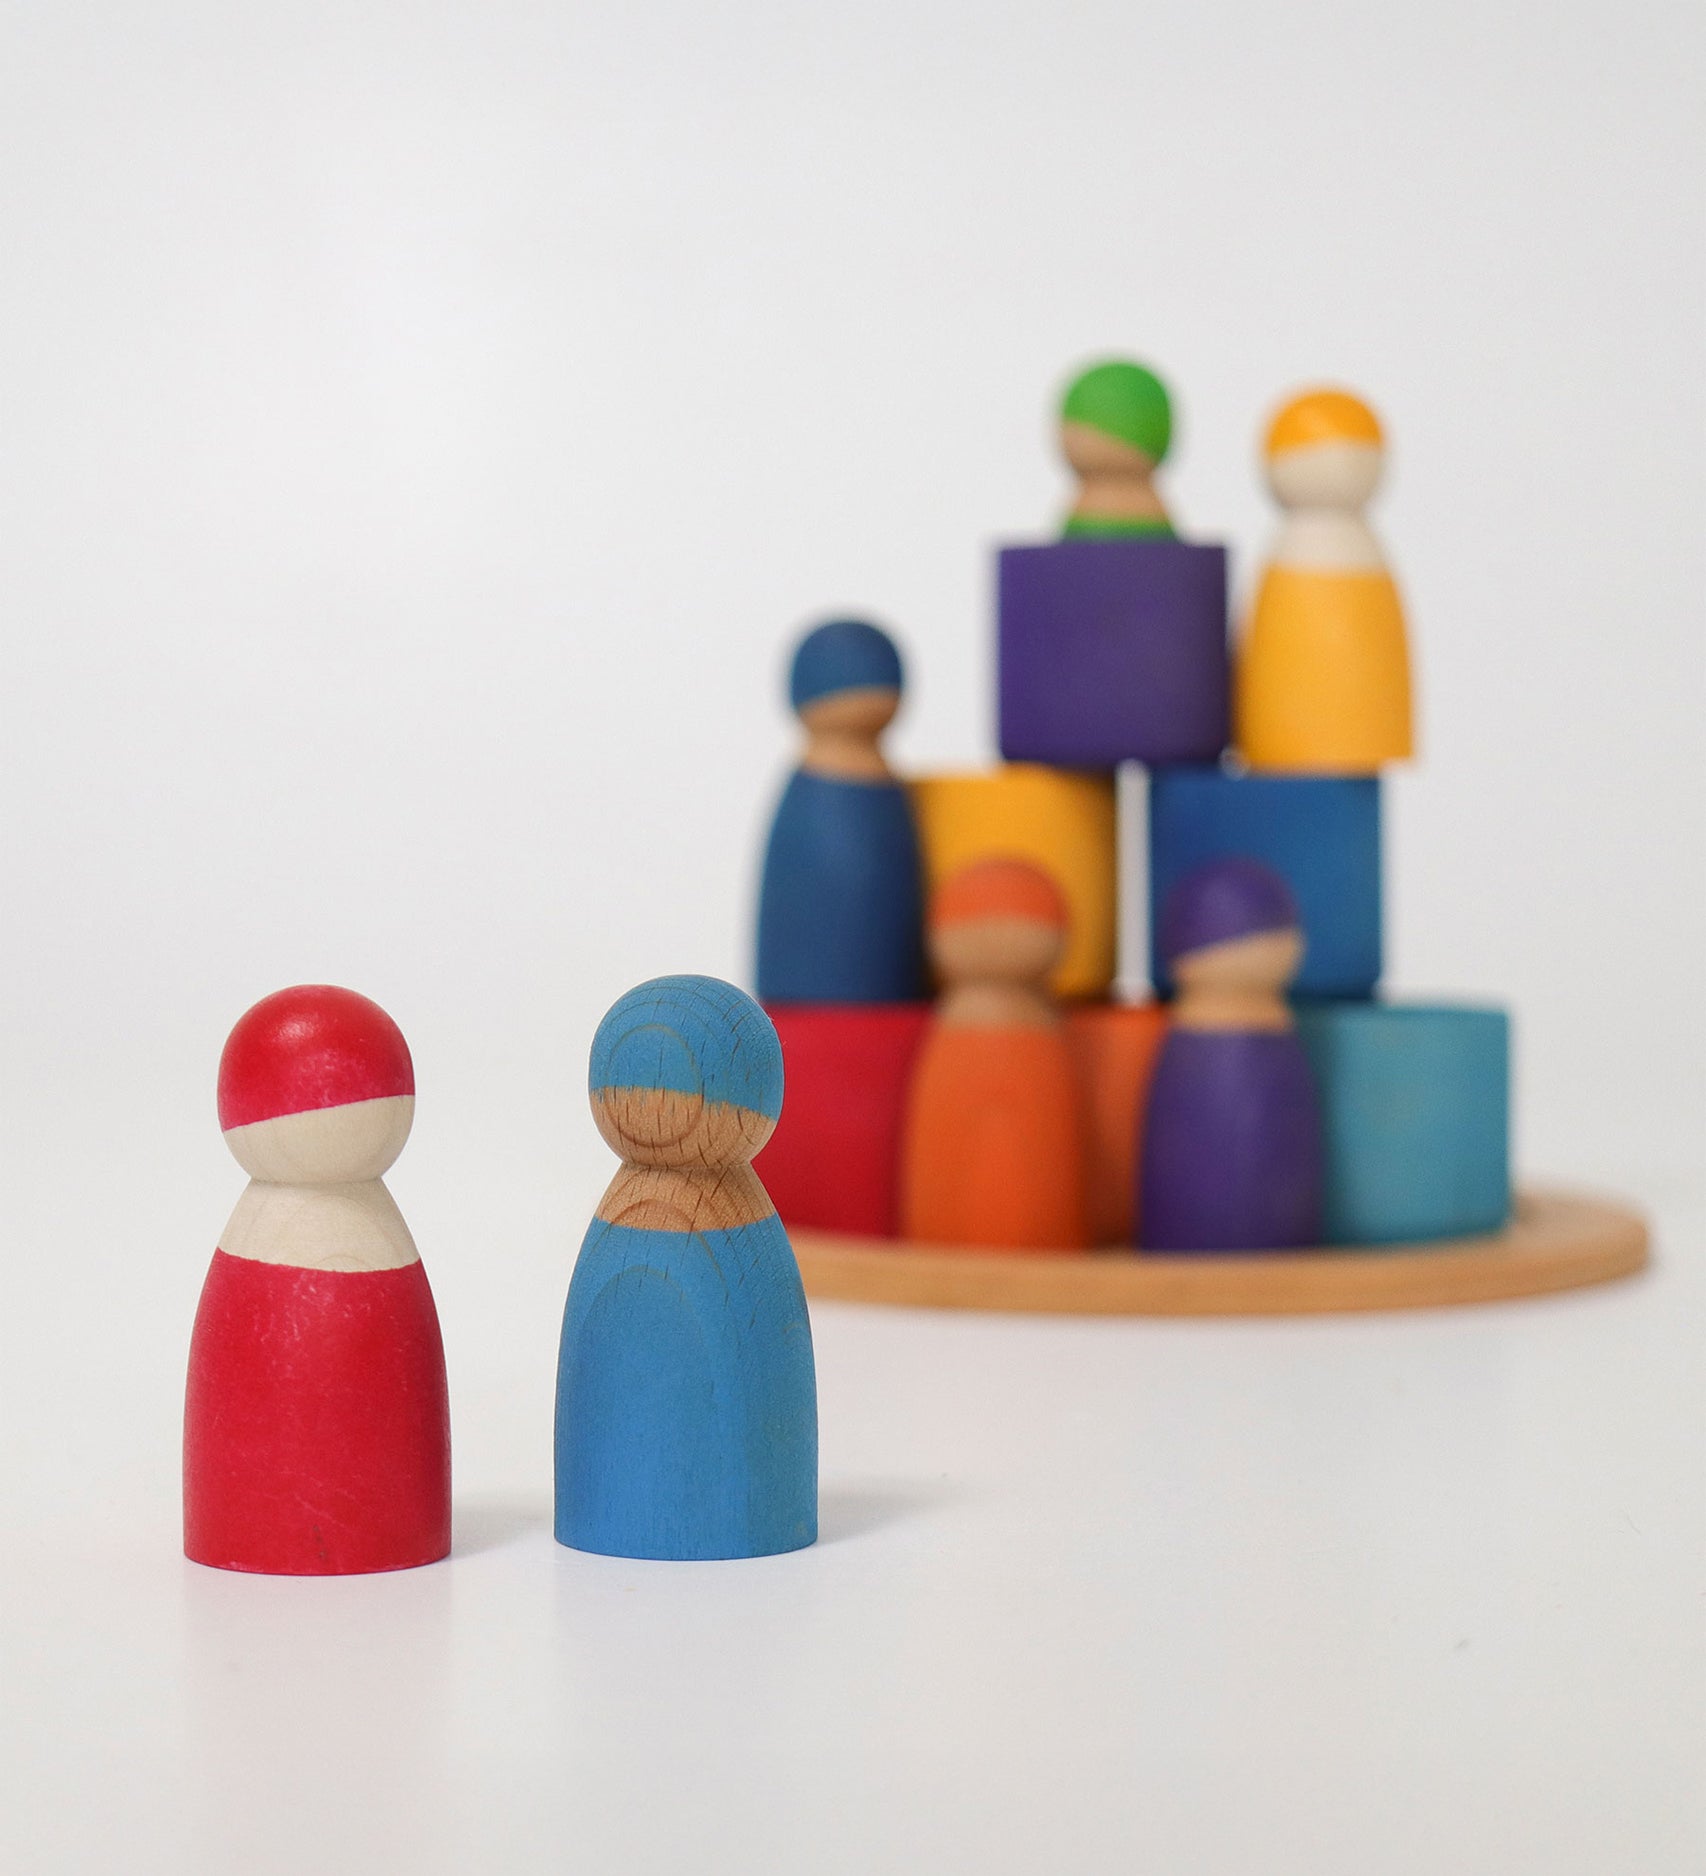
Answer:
[(1092, 452), (1325, 475), (325, 1145), (998, 949), (859, 712), (1265, 961), (663, 1127)]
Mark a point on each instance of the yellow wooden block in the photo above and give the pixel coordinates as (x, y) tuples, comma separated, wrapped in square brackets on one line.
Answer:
[(1055, 818), (1322, 682)]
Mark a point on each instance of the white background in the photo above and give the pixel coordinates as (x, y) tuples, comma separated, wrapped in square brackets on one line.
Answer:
[(421, 431)]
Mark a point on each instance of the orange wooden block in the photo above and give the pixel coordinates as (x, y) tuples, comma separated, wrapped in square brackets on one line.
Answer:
[(1114, 1049)]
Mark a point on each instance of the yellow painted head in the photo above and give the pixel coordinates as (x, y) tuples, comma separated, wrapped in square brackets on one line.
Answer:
[(1324, 450), (1322, 416)]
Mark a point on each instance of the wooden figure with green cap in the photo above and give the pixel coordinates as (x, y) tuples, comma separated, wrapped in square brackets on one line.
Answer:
[(1116, 421)]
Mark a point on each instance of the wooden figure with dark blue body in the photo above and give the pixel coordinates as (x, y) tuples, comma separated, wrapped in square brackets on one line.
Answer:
[(686, 1391), (841, 914), (1232, 1151)]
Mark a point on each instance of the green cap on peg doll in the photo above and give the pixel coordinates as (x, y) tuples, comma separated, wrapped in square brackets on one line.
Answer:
[(1116, 422)]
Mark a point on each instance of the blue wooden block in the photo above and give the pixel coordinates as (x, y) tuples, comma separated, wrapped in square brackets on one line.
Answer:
[(1415, 1103), (1320, 833), (686, 1398)]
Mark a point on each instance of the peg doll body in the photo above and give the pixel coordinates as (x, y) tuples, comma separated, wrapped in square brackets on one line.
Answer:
[(1232, 1155)]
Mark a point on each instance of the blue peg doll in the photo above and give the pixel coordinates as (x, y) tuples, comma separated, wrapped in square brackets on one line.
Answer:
[(686, 1391), (841, 911)]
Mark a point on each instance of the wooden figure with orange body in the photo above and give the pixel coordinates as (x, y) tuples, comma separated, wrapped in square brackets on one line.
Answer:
[(1322, 684), (316, 1423), (994, 1145)]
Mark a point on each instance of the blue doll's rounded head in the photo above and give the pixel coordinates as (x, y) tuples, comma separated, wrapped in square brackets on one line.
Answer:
[(843, 655), (1221, 901), (686, 1072)]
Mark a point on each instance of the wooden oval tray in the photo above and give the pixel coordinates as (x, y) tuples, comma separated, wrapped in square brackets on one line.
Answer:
[(1555, 1241)]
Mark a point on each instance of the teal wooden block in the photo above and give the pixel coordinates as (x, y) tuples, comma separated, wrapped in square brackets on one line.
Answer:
[(1415, 1104)]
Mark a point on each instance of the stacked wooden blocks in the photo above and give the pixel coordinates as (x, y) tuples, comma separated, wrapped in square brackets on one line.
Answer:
[(1270, 1099)]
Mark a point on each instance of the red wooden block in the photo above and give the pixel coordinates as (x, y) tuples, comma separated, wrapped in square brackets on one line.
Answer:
[(833, 1162)]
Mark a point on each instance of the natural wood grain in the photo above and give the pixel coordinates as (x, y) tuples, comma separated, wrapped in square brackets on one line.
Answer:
[(686, 1391), (1116, 483), (842, 730), (1557, 1241), (1238, 984)]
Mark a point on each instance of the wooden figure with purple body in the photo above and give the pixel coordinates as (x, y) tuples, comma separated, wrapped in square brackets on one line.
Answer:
[(1232, 1153)]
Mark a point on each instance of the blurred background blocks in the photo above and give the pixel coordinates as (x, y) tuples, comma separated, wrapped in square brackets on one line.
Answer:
[(833, 1161), (1061, 822), (1320, 833), (1415, 1102), (1112, 651)]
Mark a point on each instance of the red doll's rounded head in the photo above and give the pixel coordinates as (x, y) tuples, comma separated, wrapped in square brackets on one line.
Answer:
[(316, 1087)]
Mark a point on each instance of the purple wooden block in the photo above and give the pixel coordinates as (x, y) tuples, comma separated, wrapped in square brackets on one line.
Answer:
[(1113, 651)]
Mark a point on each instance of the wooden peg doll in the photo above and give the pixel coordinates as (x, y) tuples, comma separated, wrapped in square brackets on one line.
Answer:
[(1116, 422), (316, 1423), (1232, 1152), (1322, 682), (840, 916), (994, 1147), (686, 1392)]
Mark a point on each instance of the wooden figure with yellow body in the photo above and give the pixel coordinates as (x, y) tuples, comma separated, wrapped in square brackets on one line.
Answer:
[(1322, 682), (993, 1150), (686, 1391)]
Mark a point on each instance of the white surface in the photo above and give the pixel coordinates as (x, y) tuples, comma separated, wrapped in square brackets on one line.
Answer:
[(420, 431), (1405, 1594)]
